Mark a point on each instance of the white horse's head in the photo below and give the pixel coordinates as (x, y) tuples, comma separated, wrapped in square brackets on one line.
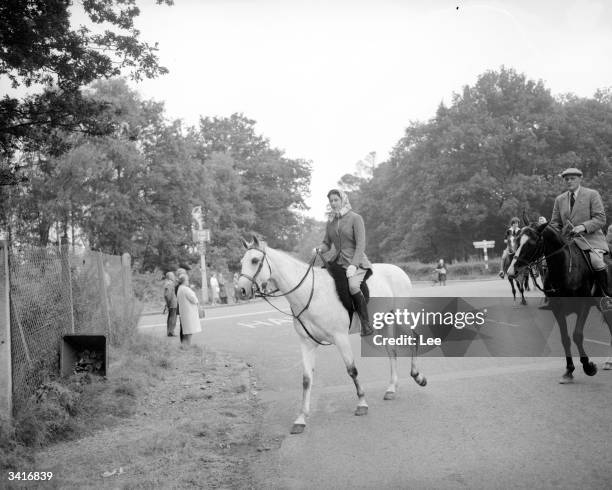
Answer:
[(255, 269)]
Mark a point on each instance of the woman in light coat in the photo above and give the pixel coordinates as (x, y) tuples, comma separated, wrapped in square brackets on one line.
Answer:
[(188, 308), (346, 231)]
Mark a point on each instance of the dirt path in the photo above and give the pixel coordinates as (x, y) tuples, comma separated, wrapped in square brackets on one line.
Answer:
[(196, 427)]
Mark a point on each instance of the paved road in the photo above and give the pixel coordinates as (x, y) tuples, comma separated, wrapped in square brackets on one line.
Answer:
[(479, 423)]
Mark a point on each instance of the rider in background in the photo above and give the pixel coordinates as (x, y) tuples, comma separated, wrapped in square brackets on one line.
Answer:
[(512, 231), (346, 231), (441, 271), (580, 210)]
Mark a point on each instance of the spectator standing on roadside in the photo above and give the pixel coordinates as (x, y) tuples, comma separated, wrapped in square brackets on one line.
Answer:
[(214, 288), (170, 285), (179, 272), (189, 305), (236, 292), (222, 289)]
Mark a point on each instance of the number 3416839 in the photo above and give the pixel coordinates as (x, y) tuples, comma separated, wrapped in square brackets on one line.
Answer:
[(30, 475)]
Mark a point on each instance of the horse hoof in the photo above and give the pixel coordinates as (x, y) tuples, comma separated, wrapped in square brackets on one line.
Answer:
[(567, 378), (419, 379), (524, 303), (389, 395), (607, 366), (589, 369), (297, 428), (361, 411)]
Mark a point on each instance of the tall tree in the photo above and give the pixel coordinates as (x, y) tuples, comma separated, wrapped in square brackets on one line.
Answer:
[(495, 151), (38, 47), (274, 185)]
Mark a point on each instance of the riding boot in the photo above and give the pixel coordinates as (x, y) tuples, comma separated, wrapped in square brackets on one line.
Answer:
[(601, 279), (362, 310)]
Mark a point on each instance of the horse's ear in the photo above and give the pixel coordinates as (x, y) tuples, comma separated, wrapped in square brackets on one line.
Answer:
[(255, 241), (244, 243), (525, 219)]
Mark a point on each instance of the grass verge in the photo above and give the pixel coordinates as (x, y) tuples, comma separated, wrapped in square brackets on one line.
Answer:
[(165, 417)]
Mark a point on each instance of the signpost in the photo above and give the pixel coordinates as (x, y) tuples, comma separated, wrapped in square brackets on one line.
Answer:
[(200, 236), (484, 245)]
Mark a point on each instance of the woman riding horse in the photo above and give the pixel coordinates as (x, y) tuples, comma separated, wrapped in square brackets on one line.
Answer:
[(345, 229)]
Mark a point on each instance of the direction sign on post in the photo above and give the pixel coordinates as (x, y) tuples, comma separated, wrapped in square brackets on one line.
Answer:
[(484, 245), (200, 235)]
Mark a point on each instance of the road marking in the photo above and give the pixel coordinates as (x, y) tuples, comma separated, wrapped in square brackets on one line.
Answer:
[(217, 317), (265, 323), (501, 323), (597, 341)]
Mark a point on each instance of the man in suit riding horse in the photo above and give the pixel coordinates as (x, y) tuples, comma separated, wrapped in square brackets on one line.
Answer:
[(580, 210)]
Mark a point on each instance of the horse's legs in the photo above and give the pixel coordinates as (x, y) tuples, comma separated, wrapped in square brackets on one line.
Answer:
[(308, 361), (590, 369), (608, 363), (521, 287), (390, 392), (511, 281), (568, 377), (344, 347), (414, 371)]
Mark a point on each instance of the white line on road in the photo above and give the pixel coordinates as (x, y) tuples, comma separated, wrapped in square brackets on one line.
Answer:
[(502, 323), (597, 341), (216, 318)]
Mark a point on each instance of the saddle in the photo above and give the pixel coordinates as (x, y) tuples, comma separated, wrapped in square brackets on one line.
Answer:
[(338, 273)]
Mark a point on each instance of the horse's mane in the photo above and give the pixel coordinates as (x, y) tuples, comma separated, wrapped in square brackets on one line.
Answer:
[(560, 235)]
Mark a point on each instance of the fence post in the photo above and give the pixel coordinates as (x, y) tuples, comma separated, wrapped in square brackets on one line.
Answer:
[(126, 268), (6, 384), (103, 279), (67, 278)]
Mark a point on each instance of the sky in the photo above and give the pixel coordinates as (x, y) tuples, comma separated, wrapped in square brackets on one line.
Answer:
[(331, 81)]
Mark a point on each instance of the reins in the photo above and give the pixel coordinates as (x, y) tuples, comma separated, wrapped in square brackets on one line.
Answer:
[(538, 261), (262, 294)]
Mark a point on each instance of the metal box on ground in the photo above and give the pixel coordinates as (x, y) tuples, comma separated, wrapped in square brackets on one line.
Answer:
[(84, 353)]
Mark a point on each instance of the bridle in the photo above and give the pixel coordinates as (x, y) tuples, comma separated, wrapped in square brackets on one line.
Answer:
[(265, 295), (537, 257)]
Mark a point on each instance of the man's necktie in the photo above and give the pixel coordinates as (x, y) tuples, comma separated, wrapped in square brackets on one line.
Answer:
[(572, 201)]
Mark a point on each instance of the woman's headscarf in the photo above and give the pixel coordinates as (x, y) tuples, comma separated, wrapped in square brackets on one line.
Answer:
[(345, 206)]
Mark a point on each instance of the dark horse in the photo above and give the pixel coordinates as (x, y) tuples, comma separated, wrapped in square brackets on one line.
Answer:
[(521, 279), (569, 276)]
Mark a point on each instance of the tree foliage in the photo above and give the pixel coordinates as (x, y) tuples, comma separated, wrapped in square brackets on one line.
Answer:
[(133, 190), (275, 186), (495, 152), (39, 47)]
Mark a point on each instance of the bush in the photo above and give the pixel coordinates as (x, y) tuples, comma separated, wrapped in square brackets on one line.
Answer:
[(148, 286), (65, 409)]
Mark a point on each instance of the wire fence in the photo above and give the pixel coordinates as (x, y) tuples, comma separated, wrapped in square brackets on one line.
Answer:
[(54, 292)]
